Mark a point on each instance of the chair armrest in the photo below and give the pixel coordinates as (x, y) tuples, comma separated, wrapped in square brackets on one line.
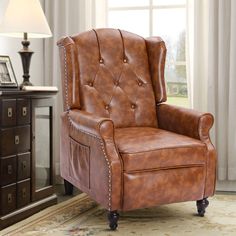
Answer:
[(88, 123), (105, 162), (185, 121)]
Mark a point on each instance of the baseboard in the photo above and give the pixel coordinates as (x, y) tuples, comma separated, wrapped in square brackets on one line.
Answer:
[(26, 211), (228, 186)]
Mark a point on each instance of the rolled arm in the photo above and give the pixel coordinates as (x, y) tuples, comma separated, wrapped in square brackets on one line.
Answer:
[(196, 125), (105, 165), (185, 121), (97, 126)]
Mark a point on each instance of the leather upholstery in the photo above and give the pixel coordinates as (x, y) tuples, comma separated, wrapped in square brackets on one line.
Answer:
[(109, 75), (185, 121), (157, 56), (146, 189), (119, 144), (196, 125), (160, 149), (69, 74), (98, 135)]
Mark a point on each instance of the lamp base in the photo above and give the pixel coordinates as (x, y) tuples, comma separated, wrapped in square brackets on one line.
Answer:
[(25, 54), (25, 83)]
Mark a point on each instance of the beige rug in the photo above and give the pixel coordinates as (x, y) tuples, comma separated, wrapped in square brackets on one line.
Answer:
[(81, 216)]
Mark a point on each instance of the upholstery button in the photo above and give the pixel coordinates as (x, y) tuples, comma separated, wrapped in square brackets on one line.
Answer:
[(125, 60), (101, 61), (116, 83), (90, 84), (133, 106), (107, 107), (140, 83)]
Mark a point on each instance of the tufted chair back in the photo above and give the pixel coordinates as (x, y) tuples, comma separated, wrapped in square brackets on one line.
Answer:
[(116, 74)]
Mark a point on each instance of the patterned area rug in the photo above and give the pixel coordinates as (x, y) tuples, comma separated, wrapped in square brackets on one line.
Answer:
[(81, 216)]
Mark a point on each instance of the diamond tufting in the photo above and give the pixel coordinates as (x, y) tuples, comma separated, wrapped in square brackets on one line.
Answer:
[(114, 77)]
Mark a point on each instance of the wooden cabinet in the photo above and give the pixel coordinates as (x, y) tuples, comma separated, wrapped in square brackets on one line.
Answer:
[(26, 154)]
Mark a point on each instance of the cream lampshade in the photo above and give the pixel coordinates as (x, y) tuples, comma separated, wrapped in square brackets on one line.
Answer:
[(25, 18)]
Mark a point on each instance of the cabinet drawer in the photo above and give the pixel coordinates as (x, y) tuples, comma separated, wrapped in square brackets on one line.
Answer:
[(8, 112), (23, 171), (22, 138), (23, 111), (8, 199), (23, 193), (7, 145), (15, 140), (7, 170)]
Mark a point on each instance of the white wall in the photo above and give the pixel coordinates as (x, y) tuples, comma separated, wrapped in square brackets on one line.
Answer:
[(11, 46)]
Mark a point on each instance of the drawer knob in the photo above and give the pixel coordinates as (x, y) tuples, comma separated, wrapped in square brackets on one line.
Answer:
[(9, 169), (24, 193), (24, 111), (9, 112), (23, 165), (9, 198), (17, 139)]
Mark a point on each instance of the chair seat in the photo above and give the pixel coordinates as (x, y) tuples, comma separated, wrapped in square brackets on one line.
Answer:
[(146, 148)]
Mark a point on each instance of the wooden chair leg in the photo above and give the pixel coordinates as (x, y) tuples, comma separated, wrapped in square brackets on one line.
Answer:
[(201, 206), (68, 187), (113, 218)]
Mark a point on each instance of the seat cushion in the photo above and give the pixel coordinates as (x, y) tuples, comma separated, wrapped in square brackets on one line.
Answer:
[(145, 148)]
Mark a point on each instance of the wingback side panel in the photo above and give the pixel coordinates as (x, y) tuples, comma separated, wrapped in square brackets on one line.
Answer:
[(69, 73), (115, 77), (157, 56)]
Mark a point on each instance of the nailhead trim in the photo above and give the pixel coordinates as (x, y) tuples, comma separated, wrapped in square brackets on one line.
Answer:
[(66, 78), (85, 132), (109, 175)]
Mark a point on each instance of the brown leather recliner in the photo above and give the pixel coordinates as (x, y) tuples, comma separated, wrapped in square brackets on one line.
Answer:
[(119, 143)]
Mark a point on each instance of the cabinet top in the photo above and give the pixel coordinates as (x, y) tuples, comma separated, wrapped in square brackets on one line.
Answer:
[(6, 93)]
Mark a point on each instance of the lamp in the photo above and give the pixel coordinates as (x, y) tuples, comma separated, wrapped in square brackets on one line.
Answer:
[(25, 18)]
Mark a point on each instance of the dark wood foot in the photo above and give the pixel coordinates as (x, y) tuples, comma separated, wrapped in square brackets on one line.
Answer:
[(68, 187), (113, 218), (201, 206)]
